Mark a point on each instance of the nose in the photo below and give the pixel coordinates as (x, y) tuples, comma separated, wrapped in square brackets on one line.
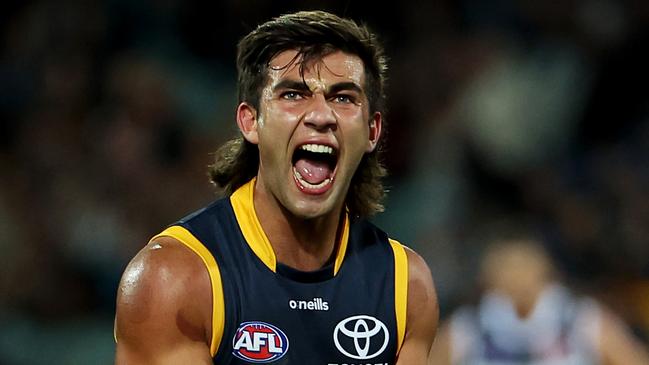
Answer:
[(320, 115)]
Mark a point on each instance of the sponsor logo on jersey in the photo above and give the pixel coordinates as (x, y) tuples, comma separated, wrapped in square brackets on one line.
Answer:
[(361, 337), (259, 342), (363, 363), (316, 304)]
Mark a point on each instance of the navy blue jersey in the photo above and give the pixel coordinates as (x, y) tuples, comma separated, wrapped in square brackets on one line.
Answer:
[(352, 311)]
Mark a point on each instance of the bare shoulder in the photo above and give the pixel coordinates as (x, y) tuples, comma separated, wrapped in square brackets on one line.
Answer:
[(420, 277), (165, 290)]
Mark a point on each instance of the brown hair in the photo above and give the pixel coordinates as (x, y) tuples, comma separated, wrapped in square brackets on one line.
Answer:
[(314, 34)]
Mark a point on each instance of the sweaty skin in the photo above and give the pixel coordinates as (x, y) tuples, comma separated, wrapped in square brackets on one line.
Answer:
[(165, 300), (326, 105)]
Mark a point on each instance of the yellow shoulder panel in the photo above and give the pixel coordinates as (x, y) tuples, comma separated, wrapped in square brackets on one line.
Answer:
[(218, 303), (400, 289)]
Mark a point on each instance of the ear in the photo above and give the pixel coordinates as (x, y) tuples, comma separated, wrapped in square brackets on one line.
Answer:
[(375, 125), (247, 122)]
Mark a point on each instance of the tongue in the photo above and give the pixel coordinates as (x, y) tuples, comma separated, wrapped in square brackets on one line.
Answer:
[(314, 172)]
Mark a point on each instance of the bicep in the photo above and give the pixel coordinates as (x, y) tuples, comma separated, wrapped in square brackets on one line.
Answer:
[(423, 313), (158, 319)]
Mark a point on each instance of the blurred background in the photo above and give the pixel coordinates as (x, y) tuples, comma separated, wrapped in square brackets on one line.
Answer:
[(500, 112)]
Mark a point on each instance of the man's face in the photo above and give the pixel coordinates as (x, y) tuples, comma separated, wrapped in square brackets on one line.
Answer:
[(311, 132)]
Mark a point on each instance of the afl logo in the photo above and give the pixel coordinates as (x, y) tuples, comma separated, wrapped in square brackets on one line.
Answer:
[(361, 337), (259, 342)]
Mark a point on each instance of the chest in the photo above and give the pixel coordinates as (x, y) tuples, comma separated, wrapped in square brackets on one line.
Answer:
[(347, 319)]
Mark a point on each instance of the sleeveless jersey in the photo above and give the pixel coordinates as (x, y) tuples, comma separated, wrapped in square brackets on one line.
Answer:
[(350, 312), (561, 330)]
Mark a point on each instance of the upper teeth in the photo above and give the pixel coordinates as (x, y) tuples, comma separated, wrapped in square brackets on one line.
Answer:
[(317, 148)]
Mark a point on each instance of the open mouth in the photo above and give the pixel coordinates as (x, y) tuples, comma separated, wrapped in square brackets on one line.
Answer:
[(314, 166)]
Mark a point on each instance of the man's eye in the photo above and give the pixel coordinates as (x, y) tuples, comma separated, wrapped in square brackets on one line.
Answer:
[(343, 98), (291, 95)]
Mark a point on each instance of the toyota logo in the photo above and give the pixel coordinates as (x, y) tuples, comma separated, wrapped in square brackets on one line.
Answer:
[(357, 335)]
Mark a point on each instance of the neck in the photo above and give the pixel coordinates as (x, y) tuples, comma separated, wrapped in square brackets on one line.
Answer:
[(303, 244)]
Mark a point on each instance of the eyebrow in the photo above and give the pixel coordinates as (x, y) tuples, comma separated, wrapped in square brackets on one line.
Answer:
[(291, 84), (301, 86), (341, 86)]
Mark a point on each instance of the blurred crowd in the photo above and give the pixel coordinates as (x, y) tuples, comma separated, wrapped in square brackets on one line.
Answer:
[(499, 111)]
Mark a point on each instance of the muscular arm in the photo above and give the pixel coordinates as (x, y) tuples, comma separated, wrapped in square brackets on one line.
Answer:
[(164, 307), (423, 313)]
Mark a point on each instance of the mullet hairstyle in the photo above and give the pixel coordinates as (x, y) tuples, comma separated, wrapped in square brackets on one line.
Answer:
[(314, 34)]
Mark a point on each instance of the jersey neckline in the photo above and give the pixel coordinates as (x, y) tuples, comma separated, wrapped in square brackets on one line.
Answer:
[(244, 211)]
